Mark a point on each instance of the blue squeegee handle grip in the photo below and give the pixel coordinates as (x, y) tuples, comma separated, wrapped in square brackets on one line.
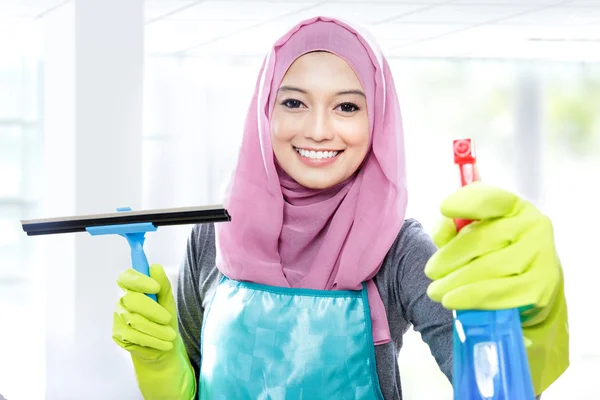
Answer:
[(140, 263), (135, 235)]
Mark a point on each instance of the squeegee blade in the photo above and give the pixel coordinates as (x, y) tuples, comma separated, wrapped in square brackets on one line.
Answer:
[(158, 217)]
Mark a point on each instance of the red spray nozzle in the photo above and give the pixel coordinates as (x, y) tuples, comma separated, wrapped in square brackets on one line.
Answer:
[(464, 152), (464, 157)]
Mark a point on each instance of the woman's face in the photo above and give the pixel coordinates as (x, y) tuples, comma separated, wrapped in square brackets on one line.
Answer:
[(319, 124)]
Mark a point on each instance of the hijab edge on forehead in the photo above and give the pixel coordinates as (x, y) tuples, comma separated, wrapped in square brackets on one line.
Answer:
[(249, 247)]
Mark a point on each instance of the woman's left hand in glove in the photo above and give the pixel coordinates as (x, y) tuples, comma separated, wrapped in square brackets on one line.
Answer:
[(506, 258)]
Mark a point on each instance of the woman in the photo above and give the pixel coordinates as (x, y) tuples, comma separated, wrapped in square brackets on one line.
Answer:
[(307, 292)]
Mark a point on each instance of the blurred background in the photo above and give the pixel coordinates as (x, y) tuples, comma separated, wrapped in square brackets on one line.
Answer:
[(108, 103)]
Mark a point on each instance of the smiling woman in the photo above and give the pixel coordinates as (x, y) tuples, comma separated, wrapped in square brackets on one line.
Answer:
[(321, 115), (309, 290)]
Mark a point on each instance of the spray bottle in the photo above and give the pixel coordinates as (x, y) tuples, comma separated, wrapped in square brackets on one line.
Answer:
[(490, 361)]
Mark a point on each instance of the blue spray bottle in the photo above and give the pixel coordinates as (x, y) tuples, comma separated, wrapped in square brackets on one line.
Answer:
[(490, 361)]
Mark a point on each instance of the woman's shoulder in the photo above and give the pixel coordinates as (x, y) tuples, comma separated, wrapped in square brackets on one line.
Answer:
[(411, 238), (201, 253), (410, 251), (203, 235)]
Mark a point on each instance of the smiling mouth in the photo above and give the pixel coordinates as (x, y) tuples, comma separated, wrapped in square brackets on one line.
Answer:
[(317, 155)]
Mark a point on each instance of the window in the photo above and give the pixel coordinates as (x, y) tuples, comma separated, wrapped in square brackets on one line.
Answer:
[(20, 158)]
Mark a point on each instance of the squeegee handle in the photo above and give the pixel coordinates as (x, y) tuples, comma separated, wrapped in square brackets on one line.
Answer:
[(135, 234), (140, 262)]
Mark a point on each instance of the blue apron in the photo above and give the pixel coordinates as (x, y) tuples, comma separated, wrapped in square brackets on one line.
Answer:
[(265, 342)]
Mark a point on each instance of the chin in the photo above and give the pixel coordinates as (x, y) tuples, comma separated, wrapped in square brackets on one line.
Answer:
[(318, 183)]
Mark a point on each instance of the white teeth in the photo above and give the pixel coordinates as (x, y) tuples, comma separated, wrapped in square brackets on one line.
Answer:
[(316, 155)]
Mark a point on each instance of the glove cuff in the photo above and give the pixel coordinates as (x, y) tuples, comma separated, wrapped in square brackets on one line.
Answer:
[(548, 353), (170, 377)]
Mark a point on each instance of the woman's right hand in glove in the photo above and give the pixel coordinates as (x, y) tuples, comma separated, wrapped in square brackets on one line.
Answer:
[(142, 326), (148, 330)]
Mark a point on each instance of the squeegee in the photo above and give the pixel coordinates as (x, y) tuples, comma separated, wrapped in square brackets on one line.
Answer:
[(132, 225)]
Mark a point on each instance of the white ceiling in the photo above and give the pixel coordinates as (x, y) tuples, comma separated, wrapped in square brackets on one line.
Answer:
[(539, 29)]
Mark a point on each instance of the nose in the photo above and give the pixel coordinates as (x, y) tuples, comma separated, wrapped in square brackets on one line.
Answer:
[(318, 126)]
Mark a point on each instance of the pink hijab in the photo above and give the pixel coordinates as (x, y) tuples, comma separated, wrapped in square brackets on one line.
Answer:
[(282, 234)]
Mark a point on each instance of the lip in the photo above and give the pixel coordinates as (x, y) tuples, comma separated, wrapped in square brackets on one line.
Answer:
[(323, 162), (315, 149)]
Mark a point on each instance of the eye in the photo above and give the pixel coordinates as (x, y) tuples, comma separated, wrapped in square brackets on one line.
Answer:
[(348, 107), (292, 103)]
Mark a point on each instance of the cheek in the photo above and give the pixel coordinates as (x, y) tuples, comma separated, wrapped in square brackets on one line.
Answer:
[(355, 134), (282, 128)]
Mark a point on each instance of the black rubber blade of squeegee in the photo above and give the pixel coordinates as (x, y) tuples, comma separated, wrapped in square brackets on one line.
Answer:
[(200, 215)]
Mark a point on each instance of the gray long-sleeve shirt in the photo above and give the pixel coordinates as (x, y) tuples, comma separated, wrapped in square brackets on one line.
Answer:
[(401, 282)]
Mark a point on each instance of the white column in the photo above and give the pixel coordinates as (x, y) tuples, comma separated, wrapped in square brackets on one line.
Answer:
[(175, 152), (528, 131), (93, 74)]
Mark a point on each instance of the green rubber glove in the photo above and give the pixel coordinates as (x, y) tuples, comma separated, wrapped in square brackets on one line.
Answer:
[(148, 331), (505, 259)]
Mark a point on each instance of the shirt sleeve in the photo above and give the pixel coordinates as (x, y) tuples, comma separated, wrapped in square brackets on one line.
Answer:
[(189, 297), (430, 319)]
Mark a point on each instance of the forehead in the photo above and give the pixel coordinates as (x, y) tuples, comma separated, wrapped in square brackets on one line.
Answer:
[(320, 67)]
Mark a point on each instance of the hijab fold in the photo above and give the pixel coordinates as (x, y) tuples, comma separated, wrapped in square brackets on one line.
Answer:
[(283, 234)]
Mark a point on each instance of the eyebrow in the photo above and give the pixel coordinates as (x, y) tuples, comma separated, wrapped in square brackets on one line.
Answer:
[(297, 89)]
